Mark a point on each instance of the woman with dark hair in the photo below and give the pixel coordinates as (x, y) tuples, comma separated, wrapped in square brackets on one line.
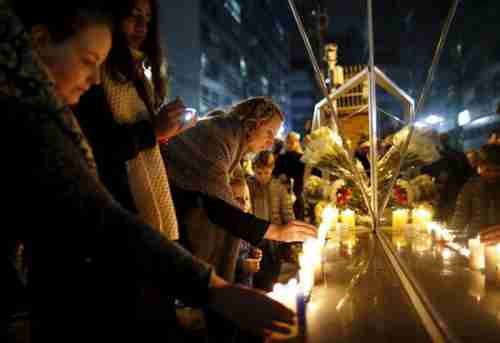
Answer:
[(86, 249), (129, 120)]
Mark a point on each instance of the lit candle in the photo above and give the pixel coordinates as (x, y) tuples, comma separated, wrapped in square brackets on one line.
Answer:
[(286, 295), (399, 240), (301, 310), (399, 219), (323, 232), (476, 249), (306, 278), (348, 219), (421, 217), (330, 215), (492, 259), (329, 218), (476, 286)]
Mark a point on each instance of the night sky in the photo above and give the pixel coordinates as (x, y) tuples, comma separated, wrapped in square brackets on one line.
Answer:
[(406, 34)]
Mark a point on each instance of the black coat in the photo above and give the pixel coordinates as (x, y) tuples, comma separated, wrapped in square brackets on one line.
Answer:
[(87, 250)]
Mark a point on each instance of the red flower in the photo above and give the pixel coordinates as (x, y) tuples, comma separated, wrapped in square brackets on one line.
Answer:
[(400, 195), (343, 196)]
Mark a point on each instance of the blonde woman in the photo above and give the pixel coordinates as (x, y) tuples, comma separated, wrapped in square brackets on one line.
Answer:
[(200, 162)]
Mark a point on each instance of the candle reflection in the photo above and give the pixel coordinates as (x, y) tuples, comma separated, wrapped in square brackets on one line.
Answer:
[(476, 286)]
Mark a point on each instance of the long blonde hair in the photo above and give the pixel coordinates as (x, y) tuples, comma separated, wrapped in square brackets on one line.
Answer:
[(250, 111)]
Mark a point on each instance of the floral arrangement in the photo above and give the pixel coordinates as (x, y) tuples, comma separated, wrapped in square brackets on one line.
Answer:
[(401, 194), (424, 189), (343, 196), (409, 194), (326, 151), (316, 189)]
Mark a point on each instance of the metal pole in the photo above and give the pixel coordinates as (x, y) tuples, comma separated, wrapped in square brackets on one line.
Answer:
[(321, 82), (372, 114)]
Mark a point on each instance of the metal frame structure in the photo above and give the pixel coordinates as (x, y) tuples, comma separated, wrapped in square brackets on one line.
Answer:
[(431, 319)]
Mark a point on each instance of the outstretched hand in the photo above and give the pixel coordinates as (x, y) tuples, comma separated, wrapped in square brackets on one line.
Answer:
[(294, 231), (251, 310)]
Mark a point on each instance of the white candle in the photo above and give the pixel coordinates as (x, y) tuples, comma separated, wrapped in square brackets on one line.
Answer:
[(398, 240), (476, 249), (306, 278), (286, 295), (348, 219), (399, 219), (323, 232), (476, 286), (492, 259), (421, 217), (330, 215), (329, 218)]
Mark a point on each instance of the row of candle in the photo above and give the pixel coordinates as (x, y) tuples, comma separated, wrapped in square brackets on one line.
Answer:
[(485, 257), (294, 294), (331, 216), (420, 218)]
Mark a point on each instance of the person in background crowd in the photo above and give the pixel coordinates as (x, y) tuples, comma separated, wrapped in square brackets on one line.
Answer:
[(277, 148), (290, 165), (494, 137), (249, 258), (85, 248), (473, 158), (478, 203), (270, 201), (451, 171)]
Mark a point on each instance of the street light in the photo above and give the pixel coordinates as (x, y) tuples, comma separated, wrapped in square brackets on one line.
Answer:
[(463, 118), (434, 119)]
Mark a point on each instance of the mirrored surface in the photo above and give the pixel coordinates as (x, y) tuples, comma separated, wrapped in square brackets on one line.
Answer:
[(469, 305), (358, 298)]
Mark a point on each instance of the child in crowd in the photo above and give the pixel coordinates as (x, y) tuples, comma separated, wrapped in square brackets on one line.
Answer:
[(270, 201)]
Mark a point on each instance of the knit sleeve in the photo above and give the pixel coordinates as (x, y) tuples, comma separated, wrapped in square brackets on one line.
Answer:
[(112, 142)]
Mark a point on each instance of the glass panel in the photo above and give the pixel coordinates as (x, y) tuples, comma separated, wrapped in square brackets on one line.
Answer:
[(359, 299), (444, 60), (469, 305)]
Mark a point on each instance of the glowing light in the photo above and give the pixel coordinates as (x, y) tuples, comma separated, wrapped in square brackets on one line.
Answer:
[(464, 117), (434, 119)]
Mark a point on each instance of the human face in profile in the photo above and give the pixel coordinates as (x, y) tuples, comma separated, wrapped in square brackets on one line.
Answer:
[(74, 63)]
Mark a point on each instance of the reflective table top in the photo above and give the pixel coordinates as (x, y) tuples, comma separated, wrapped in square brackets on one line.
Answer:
[(358, 297), (470, 308)]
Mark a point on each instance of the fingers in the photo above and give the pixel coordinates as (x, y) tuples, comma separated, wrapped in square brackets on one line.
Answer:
[(278, 313), (281, 328), (302, 231)]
